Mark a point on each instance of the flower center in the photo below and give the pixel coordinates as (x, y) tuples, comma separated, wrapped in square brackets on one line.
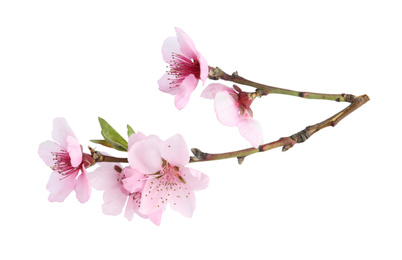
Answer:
[(62, 163), (181, 67), (244, 99), (169, 175)]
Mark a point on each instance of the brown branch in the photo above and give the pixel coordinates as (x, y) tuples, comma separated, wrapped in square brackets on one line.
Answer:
[(216, 73), (285, 142)]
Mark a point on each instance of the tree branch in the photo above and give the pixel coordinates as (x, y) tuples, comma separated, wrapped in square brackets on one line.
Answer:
[(285, 142), (216, 73)]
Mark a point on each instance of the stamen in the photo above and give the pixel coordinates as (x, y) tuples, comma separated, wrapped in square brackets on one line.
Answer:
[(180, 67), (62, 163)]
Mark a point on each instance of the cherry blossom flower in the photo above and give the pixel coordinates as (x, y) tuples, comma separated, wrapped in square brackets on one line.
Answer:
[(168, 180), (66, 159), (186, 67), (119, 193), (232, 108)]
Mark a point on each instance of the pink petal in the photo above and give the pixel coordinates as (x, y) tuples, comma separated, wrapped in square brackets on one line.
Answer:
[(145, 156), (170, 45), (165, 86), (183, 201), (187, 45), (104, 177), (134, 180), (135, 201), (156, 217), (134, 138), (194, 179), (251, 130), (113, 201), (45, 152), (226, 109), (61, 130), (204, 68), (74, 151), (186, 88), (154, 196), (210, 91), (129, 211), (174, 150), (60, 186), (82, 187)]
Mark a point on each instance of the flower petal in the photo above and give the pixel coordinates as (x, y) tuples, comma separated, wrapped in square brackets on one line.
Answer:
[(134, 138), (185, 89), (165, 85), (251, 130), (61, 130), (104, 177), (174, 150), (210, 91), (154, 196), (113, 201), (170, 45), (82, 187), (45, 152), (74, 151), (129, 211), (183, 201), (204, 68), (145, 156), (226, 109), (156, 217), (195, 180), (134, 180), (135, 202), (187, 45), (60, 186)]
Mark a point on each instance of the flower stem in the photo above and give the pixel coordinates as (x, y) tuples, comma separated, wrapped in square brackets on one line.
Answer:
[(216, 73), (285, 142), (106, 158)]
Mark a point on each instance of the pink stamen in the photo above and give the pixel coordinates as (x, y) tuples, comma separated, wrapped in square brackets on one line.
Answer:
[(62, 163), (181, 67)]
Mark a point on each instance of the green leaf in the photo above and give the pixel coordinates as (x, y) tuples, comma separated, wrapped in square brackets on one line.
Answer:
[(130, 130), (102, 142), (112, 136)]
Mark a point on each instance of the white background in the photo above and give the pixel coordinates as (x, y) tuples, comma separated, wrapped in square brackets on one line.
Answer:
[(337, 196)]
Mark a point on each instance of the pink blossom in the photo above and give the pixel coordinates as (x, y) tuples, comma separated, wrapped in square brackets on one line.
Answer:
[(66, 159), (232, 108), (168, 180), (119, 193), (186, 67)]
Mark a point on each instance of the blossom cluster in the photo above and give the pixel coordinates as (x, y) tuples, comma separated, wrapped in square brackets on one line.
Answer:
[(187, 66), (156, 176)]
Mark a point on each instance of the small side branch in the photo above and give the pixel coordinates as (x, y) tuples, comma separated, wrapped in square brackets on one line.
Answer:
[(216, 73)]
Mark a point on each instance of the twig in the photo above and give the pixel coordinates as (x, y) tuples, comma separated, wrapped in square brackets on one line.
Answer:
[(216, 73), (285, 142)]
